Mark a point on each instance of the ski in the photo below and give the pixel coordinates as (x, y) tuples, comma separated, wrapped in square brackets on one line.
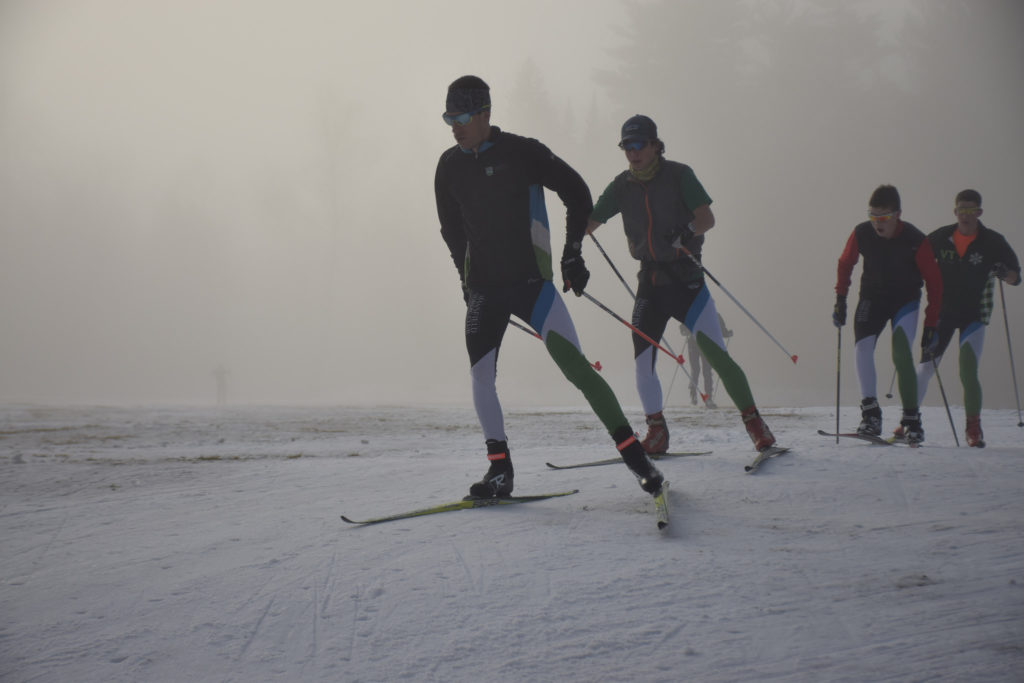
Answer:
[(466, 503), (661, 506), (612, 461), (877, 440), (901, 441), (770, 452)]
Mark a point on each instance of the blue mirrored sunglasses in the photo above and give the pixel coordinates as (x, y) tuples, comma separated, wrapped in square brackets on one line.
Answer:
[(634, 146), (461, 119)]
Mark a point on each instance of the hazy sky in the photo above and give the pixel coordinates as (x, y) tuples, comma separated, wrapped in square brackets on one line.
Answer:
[(248, 184)]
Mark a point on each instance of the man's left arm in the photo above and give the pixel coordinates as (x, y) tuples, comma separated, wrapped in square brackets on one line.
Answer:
[(1007, 267), (570, 187), (563, 180)]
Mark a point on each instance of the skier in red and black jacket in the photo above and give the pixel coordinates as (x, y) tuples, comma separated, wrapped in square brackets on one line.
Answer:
[(970, 257), (897, 259)]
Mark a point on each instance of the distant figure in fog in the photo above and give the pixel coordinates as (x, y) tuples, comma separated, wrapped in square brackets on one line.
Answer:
[(220, 374), (699, 364)]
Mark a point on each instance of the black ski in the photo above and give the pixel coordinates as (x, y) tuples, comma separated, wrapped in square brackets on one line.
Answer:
[(466, 503), (612, 461), (770, 452), (876, 440)]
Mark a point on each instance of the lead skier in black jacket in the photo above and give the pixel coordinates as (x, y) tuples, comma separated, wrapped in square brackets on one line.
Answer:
[(489, 190)]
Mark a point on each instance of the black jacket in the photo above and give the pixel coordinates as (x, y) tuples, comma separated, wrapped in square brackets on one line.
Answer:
[(492, 212), (964, 279)]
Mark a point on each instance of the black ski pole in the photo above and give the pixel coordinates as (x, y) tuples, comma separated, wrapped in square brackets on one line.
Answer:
[(596, 365), (938, 377), (614, 269), (632, 295), (839, 348), (636, 330), (891, 383), (736, 301), (1009, 349)]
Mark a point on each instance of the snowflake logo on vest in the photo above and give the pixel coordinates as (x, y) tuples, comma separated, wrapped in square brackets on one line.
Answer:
[(975, 259)]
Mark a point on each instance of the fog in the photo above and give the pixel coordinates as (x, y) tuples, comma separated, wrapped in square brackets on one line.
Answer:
[(244, 188)]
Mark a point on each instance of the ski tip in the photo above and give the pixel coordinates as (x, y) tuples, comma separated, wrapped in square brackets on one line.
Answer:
[(350, 521)]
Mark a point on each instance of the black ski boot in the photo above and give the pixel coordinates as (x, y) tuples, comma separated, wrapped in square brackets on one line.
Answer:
[(871, 417), (637, 461), (497, 483), (913, 432)]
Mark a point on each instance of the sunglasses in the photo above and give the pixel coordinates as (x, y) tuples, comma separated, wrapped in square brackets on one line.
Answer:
[(461, 119), (634, 146), (881, 217), (967, 210)]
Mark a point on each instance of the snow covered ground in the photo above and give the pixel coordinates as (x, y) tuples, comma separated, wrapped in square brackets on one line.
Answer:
[(190, 544)]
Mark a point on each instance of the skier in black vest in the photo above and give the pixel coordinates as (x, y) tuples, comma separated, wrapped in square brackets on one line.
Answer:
[(665, 213), (897, 259)]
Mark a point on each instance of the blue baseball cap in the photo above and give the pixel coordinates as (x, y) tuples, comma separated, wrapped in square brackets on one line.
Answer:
[(637, 128)]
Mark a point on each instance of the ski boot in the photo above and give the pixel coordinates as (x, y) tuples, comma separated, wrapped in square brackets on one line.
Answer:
[(636, 460), (757, 429), (975, 437), (910, 429), (656, 440), (871, 417), (497, 483)]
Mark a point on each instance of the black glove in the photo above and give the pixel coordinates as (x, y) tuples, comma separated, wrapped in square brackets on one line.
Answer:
[(1001, 271), (684, 235), (839, 311), (574, 271), (929, 343)]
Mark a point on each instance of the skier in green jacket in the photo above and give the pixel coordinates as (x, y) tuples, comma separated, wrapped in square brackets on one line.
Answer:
[(665, 212)]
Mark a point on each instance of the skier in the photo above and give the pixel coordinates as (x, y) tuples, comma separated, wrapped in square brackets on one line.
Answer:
[(489, 189), (970, 256), (897, 258), (665, 213), (699, 364)]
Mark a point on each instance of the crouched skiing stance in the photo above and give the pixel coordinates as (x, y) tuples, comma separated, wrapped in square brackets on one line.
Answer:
[(489, 189), (897, 258), (665, 212)]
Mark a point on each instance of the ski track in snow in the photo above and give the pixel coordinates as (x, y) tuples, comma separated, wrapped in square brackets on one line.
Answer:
[(177, 544)]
